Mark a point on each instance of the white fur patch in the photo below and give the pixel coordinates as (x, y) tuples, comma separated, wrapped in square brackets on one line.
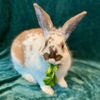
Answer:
[(32, 47)]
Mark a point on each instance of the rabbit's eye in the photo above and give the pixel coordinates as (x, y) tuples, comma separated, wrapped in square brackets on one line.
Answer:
[(62, 45)]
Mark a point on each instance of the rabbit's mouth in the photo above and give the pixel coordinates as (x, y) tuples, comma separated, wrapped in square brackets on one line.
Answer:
[(53, 59)]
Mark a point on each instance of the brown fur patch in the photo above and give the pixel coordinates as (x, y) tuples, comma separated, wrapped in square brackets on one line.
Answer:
[(58, 57), (17, 46), (46, 56), (53, 54), (47, 41)]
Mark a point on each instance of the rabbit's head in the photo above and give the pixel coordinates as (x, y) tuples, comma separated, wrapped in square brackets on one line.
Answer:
[(55, 49)]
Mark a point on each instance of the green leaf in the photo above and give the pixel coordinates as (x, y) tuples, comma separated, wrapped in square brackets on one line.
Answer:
[(49, 72), (51, 75)]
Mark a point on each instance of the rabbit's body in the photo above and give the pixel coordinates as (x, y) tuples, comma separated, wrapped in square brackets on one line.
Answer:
[(26, 50), (33, 50)]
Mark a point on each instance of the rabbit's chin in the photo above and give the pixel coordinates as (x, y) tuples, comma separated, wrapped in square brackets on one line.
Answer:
[(52, 61)]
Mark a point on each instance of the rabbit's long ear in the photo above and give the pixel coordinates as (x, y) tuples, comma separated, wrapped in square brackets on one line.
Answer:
[(43, 18), (71, 24)]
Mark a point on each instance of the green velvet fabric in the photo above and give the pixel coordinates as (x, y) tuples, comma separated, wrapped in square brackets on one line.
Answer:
[(83, 77)]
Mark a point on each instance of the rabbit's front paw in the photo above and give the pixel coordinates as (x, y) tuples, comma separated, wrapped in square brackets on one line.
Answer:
[(29, 78), (63, 83), (48, 90)]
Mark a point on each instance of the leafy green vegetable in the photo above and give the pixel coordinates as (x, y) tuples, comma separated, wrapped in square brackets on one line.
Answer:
[(51, 75)]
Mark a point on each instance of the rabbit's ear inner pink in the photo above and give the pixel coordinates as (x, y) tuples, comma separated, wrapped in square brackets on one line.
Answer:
[(44, 19), (72, 23)]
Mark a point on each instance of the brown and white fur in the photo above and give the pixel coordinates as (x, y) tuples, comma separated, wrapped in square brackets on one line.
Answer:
[(33, 50)]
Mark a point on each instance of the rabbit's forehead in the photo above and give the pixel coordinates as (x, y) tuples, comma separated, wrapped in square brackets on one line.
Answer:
[(55, 38)]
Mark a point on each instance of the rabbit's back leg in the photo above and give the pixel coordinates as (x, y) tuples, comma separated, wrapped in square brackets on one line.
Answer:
[(21, 70)]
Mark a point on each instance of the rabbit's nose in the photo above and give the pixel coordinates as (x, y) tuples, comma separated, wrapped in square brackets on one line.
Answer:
[(52, 52), (54, 55)]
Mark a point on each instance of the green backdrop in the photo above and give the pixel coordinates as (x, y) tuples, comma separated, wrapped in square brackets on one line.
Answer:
[(84, 42)]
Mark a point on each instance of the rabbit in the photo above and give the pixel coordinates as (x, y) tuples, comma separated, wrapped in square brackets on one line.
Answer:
[(34, 50)]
